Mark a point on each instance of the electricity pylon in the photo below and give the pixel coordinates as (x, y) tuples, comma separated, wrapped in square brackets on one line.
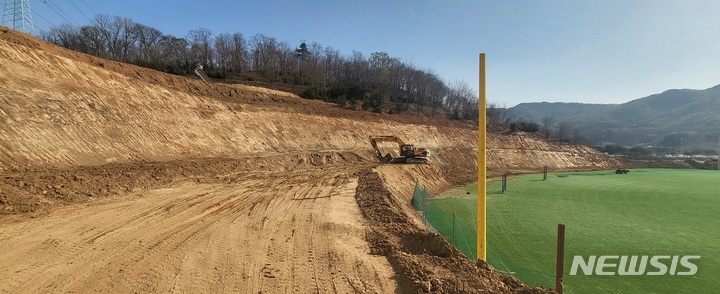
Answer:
[(17, 16)]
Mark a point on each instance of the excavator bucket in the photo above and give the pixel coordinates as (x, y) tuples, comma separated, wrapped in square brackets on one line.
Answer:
[(386, 158)]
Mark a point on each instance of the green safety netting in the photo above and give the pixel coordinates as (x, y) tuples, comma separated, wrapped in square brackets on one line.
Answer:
[(456, 231)]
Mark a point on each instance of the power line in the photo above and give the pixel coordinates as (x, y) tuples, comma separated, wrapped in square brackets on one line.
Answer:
[(63, 12), (78, 9), (42, 32), (45, 19), (60, 12), (88, 6)]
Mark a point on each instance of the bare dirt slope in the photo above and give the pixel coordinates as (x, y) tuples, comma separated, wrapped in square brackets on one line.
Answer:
[(115, 178)]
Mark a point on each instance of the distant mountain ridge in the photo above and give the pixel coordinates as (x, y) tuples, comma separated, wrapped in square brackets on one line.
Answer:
[(695, 113)]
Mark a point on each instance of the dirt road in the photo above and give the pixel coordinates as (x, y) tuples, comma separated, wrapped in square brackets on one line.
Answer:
[(275, 232)]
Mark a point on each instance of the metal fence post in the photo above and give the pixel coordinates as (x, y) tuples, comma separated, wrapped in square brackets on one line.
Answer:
[(424, 214), (504, 183), (453, 220), (560, 259)]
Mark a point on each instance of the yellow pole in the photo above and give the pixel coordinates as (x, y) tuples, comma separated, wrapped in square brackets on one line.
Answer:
[(482, 164)]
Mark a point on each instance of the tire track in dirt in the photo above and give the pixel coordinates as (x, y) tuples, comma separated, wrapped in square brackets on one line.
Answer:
[(121, 231), (273, 233)]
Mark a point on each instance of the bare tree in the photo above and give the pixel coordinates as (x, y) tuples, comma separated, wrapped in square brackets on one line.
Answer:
[(102, 28), (381, 82), (547, 124), (284, 62), (224, 51), (579, 137), (94, 41), (117, 34), (504, 113), (496, 115), (471, 109), (358, 69), (333, 65), (66, 36), (201, 50), (175, 53), (563, 131), (264, 53), (460, 92), (126, 39), (148, 41), (239, 58), (315, 65), (437, 93)]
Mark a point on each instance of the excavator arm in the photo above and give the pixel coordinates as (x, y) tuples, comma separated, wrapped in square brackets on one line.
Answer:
[(408, 152), (376, 149)]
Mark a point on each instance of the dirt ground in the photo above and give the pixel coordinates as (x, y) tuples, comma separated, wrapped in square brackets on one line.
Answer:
[(279, 231), (321, 223), (119, 179)]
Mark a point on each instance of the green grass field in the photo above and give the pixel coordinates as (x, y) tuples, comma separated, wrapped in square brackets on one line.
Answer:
[(645, 212)]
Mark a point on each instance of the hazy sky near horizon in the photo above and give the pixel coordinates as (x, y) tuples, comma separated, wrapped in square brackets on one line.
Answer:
[(593, 51)]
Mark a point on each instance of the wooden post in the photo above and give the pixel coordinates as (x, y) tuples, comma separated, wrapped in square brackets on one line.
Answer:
[(545, 169), (560, 259)]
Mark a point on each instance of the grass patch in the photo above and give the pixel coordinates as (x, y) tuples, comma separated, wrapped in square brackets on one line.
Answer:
[(645, 212)]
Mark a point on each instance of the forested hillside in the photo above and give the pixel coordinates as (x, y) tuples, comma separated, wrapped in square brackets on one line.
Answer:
[(378, 82), (672, 119)]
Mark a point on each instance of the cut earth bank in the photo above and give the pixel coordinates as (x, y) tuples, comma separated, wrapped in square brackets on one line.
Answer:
[(117, 178)]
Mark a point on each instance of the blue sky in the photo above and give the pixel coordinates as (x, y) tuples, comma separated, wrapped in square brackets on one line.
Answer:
[(557, 51)]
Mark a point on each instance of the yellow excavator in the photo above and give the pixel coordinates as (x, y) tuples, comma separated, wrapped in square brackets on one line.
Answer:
[(408, 152)]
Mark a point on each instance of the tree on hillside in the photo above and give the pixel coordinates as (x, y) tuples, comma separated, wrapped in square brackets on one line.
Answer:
[(614, 149), (547, 124), (148, 40), (66, 36), (223, 51), (201, 50), (301, 53), (379, 82), (314, 66), (93, 42), (175, 55), (496, 115), (116, 33), (638, 152), (333, 65), (577, 137), (529, 127), (562, 131), (239, 53), (264, 53), (459, 92)]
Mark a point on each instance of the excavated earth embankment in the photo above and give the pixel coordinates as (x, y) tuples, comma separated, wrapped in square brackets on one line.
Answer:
[(115, 178)]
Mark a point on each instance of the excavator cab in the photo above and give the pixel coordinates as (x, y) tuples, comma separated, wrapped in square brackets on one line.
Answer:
[(408, 152)]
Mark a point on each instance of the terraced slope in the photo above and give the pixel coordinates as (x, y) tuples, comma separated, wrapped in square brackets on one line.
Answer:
[(115, 178)]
